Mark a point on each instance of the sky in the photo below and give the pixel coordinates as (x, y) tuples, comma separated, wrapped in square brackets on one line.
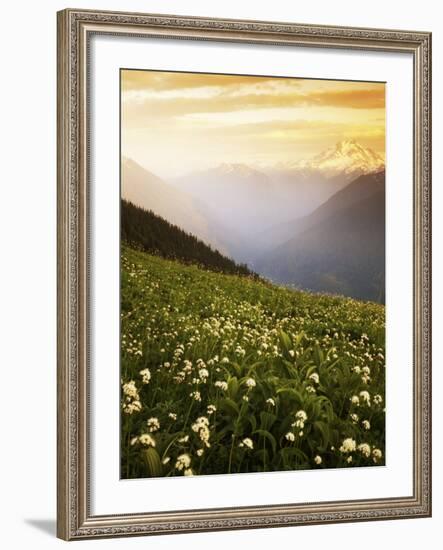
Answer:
[(174, 123)]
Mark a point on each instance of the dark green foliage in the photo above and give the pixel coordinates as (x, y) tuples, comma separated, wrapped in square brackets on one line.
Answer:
[(285, 379), (145, 230)]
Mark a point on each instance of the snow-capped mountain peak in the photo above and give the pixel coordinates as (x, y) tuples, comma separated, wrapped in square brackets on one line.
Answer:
[(347, 157)]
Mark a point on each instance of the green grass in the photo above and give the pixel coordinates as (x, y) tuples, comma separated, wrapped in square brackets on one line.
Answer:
[(279, 369)]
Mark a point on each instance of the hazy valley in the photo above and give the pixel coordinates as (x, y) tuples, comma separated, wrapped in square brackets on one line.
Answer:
[(316, 224)]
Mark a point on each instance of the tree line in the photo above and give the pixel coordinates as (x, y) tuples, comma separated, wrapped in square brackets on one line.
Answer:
[(145, 230)]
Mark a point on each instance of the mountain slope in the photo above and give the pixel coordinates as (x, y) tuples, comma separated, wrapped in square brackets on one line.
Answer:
[(203, 334), (340, 248), (154, 234), (144, 189), (360, 188)]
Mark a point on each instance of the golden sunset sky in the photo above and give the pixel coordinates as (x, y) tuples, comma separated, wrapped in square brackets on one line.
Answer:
[(174, 123)]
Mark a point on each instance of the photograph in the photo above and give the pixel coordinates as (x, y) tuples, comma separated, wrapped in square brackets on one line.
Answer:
[(252, 273)]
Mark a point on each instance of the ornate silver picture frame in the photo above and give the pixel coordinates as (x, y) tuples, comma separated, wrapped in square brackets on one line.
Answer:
[(75, 517)]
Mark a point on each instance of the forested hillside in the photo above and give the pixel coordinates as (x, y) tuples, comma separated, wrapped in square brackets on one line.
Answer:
[(153, 234)]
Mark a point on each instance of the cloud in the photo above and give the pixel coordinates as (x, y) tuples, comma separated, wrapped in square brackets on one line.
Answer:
[(167, 94), (163, 81), (153, 108)]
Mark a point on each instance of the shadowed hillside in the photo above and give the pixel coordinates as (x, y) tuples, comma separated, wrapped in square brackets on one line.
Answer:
[(153, 234), (340, 248)]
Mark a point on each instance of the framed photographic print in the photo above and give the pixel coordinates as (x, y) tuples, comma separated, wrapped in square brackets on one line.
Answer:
[(243, 274)]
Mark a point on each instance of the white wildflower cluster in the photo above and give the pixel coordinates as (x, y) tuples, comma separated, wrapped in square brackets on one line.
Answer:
[(365, 397), (366, 371), (146, 376), (366, 425), (300, 419), (201, 427), (250, 383), (196, 396), (318, 460), (202, 370), (172, 416), (133, 347), (144, 439), (179, 351), (378, 399), (153, 424), (183, 439), (211, 409), (315, 378), (376, 455), (270, 401), (247, 442), (221, 384), (183, 462), (187, 367), (131, 401), (290, 436), (203, 374), (348, 446), (365, 449), (354, 417), (130, 390)]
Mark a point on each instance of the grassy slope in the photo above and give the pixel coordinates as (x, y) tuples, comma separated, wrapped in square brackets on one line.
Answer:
[(180, 321)]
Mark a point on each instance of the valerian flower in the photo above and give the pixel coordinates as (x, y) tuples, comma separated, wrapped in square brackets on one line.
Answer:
[(348, 446), (315, 378), (365, 449), (183, 462), (146, 376), (247, 442), (365, 397), (153, 424), (376, 455), (146, 440)]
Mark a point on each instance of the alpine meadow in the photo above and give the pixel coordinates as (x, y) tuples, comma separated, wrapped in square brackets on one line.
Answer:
[(252, 274)]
